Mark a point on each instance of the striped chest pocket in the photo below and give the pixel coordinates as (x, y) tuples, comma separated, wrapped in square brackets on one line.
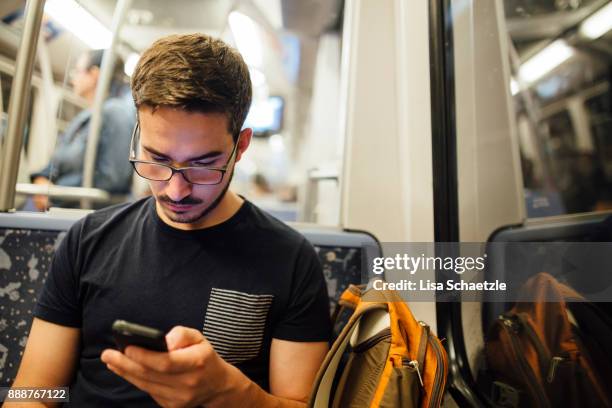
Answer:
[(235, 322)]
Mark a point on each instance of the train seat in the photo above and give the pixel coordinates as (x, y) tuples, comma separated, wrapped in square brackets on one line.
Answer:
[(537, 256)]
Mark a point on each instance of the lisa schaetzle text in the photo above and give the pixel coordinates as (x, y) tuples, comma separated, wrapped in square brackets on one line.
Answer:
[(449, 285)]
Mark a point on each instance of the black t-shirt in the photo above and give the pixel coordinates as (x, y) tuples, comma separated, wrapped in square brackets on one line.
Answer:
[(242, 283)]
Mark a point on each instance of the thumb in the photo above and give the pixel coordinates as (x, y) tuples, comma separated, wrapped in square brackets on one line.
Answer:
[(180, 337)]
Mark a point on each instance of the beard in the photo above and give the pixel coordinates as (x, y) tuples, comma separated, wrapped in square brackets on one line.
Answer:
[(192, 219)]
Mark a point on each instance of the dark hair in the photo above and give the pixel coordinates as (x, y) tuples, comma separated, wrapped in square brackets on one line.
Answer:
[(194, 72), (94, 58)]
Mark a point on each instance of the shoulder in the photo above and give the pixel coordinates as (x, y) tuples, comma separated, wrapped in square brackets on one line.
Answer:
[(105, 219), (110, 224), (278, 237), (271, 227)]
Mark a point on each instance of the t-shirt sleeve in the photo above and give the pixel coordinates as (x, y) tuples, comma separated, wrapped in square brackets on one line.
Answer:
[(58, 302), (307, 317)]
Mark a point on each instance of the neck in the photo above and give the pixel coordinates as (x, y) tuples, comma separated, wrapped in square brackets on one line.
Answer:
[(229, 205)]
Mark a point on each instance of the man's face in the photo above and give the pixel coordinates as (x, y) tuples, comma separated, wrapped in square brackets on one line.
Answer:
[(84, 79), (179, 138)]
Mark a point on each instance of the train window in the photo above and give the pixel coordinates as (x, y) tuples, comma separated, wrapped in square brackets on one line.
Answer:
[(532, 119), (560, 85), (294, 63)]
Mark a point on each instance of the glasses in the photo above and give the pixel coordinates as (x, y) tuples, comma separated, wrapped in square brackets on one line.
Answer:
[(163, 172)]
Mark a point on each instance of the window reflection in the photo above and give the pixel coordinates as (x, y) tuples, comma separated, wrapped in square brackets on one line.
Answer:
[(560, 56)]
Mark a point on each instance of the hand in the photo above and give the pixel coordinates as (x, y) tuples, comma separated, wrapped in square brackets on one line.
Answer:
[(190, 374), (41, 202)]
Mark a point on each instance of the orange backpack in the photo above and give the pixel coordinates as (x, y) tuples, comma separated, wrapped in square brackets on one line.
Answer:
[(394, 360)]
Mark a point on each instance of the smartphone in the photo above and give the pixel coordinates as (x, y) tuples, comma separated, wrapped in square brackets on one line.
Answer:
[(132, 334)]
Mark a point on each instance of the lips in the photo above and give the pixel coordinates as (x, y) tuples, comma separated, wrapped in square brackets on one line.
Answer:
[(178, 208)]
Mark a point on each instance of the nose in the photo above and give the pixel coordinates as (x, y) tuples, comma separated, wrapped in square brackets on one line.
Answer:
[(177, 187)]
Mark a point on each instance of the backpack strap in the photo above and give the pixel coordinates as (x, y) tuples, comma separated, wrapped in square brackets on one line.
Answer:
[(352, 296), (350, 299), (423, 345), (321, 395)]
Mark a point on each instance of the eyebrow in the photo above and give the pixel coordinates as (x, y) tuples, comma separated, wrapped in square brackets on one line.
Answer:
[(201, 157)]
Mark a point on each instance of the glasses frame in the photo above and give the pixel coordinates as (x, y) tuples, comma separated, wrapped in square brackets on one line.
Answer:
[(181, 170)]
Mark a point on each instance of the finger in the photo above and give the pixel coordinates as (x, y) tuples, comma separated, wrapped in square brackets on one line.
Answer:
[(110, 356), (180, 337), (156, 390), (152, 360), (126, 365), (172, 362)]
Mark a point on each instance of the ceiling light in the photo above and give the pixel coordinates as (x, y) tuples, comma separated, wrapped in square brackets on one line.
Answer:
[(545, 61), (248, 41), (598, 23), (79, 22), (514, 87)]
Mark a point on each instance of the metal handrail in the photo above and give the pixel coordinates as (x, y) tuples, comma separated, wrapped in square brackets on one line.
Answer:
[(11, 148), (63, 192), (7, 66)]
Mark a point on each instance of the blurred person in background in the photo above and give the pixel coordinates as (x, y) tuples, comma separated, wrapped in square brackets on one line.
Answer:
[(112, 170)]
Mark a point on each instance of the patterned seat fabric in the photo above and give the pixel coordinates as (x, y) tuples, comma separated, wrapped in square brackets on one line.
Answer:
[(341, 267), (25, 256)]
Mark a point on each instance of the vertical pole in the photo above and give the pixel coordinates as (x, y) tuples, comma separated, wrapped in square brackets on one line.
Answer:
[(20, 91), (106, 74)]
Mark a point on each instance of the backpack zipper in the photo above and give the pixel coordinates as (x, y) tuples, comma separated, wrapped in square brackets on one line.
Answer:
[(554, 362), (510, 327), (440, 376), (415, 365), (548, 364), (544, 359)]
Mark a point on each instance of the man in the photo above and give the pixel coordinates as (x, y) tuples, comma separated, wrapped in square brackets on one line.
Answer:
[(242, 295), (111, 171)]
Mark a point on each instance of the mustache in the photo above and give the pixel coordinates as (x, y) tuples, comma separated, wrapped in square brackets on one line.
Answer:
[(189, 200)]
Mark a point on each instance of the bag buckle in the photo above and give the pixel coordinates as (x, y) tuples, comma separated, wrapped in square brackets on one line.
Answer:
[(504, 395)]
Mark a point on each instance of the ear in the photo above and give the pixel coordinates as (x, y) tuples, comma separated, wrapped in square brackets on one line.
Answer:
[(244, 142)]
